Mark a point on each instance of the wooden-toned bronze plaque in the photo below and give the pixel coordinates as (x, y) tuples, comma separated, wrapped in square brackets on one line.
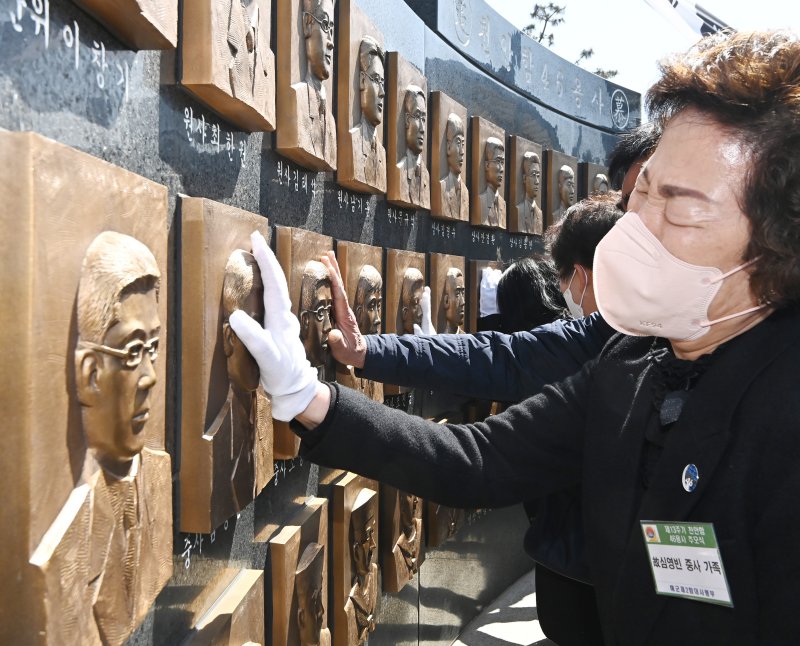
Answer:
[(405, 280), (236, 616), (304, 101), (140, 24), (298, 253), (361, 101), (448, 293), (299, 559), (409, 183), (476, 268), (562, 176), (354, 559), (84, 298), (401, 538), (487, 190), (362, 272), (525, 186), (226, 424), (449, 193), (592, 179), (227, 62)]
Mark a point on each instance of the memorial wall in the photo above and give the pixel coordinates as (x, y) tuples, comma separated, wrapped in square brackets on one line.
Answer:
[(151, 499)]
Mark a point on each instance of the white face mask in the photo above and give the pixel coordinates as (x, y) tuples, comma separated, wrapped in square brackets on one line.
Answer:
[(576, 309), (643, 290)]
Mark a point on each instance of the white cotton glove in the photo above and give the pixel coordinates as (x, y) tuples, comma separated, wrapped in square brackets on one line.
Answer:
[(427, 323), (488, 297), (286, 374)]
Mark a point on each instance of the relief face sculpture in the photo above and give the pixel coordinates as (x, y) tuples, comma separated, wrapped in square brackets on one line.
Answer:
[(493, 206), (414, 176), (529, 213), (241, 289), (453, 301), (308, 590), (410, 300), (363, 596), (316, 313), (369, 155), (248, 44), (130, 541), (316, 126), (368, 301), (566, 191), (455, 196), (600, 184)]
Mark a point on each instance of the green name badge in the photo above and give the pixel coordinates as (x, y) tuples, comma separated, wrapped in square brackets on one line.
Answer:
[(685, 561)]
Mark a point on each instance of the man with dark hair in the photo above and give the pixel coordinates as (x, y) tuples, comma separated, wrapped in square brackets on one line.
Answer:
[(632, 150), (572, 241)]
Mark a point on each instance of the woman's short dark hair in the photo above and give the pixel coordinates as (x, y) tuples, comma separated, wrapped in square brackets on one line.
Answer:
[(528, 295), (749, 83), (574, 238)]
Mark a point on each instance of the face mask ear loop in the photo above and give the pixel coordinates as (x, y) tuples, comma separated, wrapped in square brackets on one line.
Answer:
[(733, 271), (585, 283), (708, 323), (571, 278), (733, 316)]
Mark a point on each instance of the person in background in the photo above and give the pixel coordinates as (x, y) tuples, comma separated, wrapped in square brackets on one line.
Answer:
[(632, 150), (528, 295)]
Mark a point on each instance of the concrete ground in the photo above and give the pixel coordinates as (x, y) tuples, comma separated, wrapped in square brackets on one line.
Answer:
[(510, 620)]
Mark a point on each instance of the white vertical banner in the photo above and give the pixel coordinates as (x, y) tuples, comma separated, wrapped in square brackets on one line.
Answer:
[(688, 17)]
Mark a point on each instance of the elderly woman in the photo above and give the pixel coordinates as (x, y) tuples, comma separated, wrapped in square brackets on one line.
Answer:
[(685, 443)]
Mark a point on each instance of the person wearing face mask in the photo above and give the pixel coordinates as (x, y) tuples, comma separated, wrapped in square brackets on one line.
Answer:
[(572, 242), (683, 433)]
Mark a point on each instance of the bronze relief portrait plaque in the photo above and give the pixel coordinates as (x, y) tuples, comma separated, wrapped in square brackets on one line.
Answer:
[(354, 559), (488, 203), (361, 267), (140, 24), (525, 186), (562, 175), (476, 268), (298, 554), (361, 102), (448, 293), (401, 537), (84, 294), (405, 280), (226, 423), (236, 616), (592, 179), (449, 193), (227, 62), (305, 44), (298, 252), (407, 122)]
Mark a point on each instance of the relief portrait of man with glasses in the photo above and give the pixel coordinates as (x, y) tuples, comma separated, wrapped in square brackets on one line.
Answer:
[(109, 551)]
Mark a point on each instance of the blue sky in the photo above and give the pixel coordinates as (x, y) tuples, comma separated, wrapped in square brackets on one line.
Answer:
[(629, 36)]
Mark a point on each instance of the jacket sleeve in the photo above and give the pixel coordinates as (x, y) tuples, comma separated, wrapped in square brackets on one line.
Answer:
[(487, 365), (532, 449)]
